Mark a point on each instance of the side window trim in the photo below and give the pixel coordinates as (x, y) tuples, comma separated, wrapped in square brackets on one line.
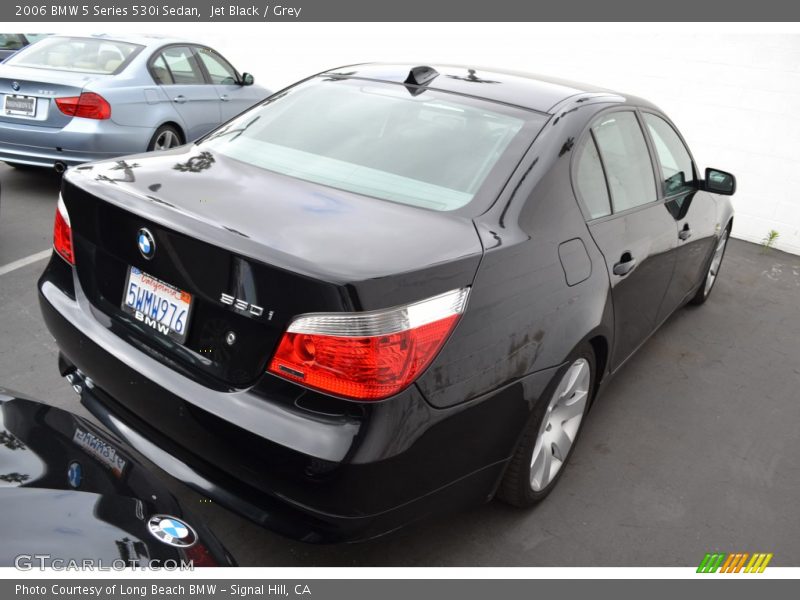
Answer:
[(195, 49), (159, 53), (151, 65), (593, 137), (587, 136)]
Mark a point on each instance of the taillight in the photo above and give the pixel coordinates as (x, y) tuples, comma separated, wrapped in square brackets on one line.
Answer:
[(88, 105), (369, 355), (62, 233)]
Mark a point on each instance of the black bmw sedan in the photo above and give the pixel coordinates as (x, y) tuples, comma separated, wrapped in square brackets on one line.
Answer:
[(385, 291)]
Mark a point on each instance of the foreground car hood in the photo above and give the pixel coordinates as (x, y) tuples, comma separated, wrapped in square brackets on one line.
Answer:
[(304, 227), (67, 499), (72, 526)]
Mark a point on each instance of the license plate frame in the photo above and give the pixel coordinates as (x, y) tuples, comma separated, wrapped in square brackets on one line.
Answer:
[(150, 313), (28, 111)]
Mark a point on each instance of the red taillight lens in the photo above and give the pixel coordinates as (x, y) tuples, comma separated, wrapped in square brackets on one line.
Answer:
[(88, 105), (367, 356), (62, 233)]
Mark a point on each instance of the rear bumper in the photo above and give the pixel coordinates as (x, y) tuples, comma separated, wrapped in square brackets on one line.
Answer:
[(306, 476), (80, 141)]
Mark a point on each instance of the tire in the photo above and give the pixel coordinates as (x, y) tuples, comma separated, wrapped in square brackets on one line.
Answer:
[(704, 291), (524, 483), (164, 138)]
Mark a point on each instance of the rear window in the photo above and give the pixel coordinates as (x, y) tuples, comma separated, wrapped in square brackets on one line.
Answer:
[(433, 149), (82, 55)]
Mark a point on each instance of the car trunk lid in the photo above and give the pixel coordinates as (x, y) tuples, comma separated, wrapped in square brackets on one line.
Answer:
[(254, 249), (35, 91)]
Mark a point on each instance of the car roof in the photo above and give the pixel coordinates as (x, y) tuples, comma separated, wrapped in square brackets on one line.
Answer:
[(535, 92)]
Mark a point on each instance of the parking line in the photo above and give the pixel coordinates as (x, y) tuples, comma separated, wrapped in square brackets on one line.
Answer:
[(23, 262)]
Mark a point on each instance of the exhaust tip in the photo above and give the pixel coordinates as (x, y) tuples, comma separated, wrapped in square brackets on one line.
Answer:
[(60, 167)]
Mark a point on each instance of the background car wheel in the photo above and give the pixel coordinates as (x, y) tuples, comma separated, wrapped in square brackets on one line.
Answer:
[(164, 138), (550, 435), (713, 270)]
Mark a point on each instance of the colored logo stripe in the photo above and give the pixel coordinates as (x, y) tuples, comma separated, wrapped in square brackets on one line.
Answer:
[(711, 563), (734, 562), (758, 563)]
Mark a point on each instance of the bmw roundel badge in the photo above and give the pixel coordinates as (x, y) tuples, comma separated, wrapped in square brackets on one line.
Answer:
[(15, 86), (74, 474), (146, 243), (172, 531)]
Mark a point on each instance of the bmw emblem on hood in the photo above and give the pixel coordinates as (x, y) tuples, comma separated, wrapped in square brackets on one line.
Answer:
[(146, 243), (74, 474), (172, 531), (15, 86)]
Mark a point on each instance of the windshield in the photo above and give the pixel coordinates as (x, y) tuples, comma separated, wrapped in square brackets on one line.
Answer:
[(432, 149), (82, 55)]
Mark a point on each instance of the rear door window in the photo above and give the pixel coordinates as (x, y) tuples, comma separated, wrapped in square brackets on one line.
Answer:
[(182, 66), (624, 154)]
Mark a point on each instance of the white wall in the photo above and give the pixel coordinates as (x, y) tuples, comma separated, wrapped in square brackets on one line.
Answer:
[(735, 95)]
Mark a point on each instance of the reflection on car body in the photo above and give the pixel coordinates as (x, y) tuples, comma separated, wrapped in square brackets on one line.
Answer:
[(72, 494)]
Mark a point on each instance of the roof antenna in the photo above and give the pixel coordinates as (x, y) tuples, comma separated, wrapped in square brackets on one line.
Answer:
[(419, 76)]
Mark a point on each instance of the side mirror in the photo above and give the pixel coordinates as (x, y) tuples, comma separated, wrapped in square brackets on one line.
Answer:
[(720, 182), (247, 79)]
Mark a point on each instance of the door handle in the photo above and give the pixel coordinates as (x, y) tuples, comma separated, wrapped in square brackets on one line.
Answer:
[(625, 264), (179, 99), (685, 233), (224, 97)]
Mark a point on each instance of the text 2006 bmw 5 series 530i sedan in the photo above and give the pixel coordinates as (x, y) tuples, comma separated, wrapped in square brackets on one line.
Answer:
[(384, 292)]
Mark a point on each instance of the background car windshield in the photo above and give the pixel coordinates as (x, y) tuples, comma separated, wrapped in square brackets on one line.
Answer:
[(432, 150), (84, 55)]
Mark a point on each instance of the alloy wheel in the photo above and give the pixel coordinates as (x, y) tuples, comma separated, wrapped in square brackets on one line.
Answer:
[(560, 424), (168, 139), (716, 261)]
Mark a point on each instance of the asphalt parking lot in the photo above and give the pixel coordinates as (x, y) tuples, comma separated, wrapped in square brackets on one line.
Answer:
[(693, 448)]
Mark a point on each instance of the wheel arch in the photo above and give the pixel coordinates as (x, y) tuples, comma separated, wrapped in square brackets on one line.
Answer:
[(178, 127), (600, 345)]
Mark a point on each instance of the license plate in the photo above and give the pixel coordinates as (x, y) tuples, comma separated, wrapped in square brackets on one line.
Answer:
[(157, 304), (19, 105), (101, 450)]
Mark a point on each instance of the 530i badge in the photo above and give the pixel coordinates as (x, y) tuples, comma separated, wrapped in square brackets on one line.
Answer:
[(453, 271)]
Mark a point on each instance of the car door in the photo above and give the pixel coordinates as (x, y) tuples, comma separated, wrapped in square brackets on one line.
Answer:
[(694, 210), (195, 99), (234, 97), (615, 182)]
